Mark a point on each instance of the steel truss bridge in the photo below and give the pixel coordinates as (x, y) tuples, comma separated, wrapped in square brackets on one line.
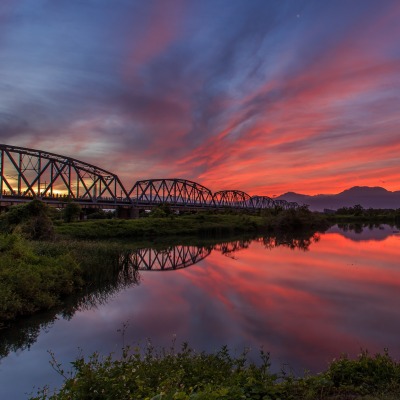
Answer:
[(27, 174)]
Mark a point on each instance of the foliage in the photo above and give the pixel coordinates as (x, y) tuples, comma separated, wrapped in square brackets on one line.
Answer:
[(99, 214), (358, 214), (195, 224), (200, 225), (30, 281), (31, 220), (71, 211), (162, 211), (100, 275), (292, 220), (186, 374), (367, 373)]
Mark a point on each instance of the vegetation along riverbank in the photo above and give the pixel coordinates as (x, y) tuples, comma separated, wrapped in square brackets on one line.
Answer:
[(44, 259), (46, 256), (189, 375)]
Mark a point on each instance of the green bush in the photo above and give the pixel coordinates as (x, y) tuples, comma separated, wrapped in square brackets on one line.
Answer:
[(189, 375), (30, 281), (368, 373), (31, 220), (71, 212)]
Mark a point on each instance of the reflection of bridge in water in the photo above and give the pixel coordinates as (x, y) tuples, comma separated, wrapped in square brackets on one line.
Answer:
[(175, 257), (26, 174), (171, 258), (178, 257)]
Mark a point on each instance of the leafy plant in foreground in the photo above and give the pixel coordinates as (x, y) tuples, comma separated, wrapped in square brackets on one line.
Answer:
[(187, 374)]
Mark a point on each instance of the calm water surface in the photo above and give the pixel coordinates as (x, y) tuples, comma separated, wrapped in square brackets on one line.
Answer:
[(305, 306)]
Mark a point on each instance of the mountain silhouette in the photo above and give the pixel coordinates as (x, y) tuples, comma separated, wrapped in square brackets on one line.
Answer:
[(368, 197)]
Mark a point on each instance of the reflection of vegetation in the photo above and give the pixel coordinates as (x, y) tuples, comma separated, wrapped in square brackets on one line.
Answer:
[(358, 227), (187, 375), (299, 241), (100, 277), (102, 269), (23, 334), (182, 256), (229, 248)]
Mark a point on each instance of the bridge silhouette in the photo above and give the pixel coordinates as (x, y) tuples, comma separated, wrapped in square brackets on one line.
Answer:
[(27, 174), (168, 259), (175, 257)]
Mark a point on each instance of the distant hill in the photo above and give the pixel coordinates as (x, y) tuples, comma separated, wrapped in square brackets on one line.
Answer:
[(368, 197)]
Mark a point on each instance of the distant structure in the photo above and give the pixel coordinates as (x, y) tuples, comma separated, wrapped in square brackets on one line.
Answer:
[(27, 174)]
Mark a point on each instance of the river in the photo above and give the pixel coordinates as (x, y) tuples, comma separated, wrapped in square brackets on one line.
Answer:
[(305, 301)]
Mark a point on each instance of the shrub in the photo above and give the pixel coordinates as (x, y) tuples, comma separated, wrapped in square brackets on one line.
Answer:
[(189, 375), (31, 220), (72, 212), (30, 281)]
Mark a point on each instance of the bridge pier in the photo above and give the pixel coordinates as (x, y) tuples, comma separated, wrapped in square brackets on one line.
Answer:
[(133, 213), (128, 212)]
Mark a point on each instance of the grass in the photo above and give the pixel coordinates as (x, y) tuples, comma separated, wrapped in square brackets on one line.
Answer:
[(189, 375), (32, 281), (199, 225), (167, 226), (37, 275)]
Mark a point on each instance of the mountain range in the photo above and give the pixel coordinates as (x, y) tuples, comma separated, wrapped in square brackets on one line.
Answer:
[(368, 197)]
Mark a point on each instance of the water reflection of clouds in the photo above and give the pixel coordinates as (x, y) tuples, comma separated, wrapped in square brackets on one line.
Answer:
[(304, 307), (320, 304)]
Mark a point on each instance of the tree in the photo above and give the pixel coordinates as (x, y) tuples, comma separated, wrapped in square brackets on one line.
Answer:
[(31, 220), (72, 212), (358, 209)]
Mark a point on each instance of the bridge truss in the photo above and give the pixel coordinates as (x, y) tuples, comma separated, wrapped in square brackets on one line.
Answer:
[(262, 202), (28, 173), (232, 199), (34, 173), (175, 192)]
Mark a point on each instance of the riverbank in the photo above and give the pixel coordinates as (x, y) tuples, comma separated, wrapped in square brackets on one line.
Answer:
[(62, 274), (31, 280), (167, 303), (186, 375), (199, 225), (66, 257)]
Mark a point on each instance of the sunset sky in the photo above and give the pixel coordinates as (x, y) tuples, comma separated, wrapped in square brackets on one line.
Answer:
[(263, 96)]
